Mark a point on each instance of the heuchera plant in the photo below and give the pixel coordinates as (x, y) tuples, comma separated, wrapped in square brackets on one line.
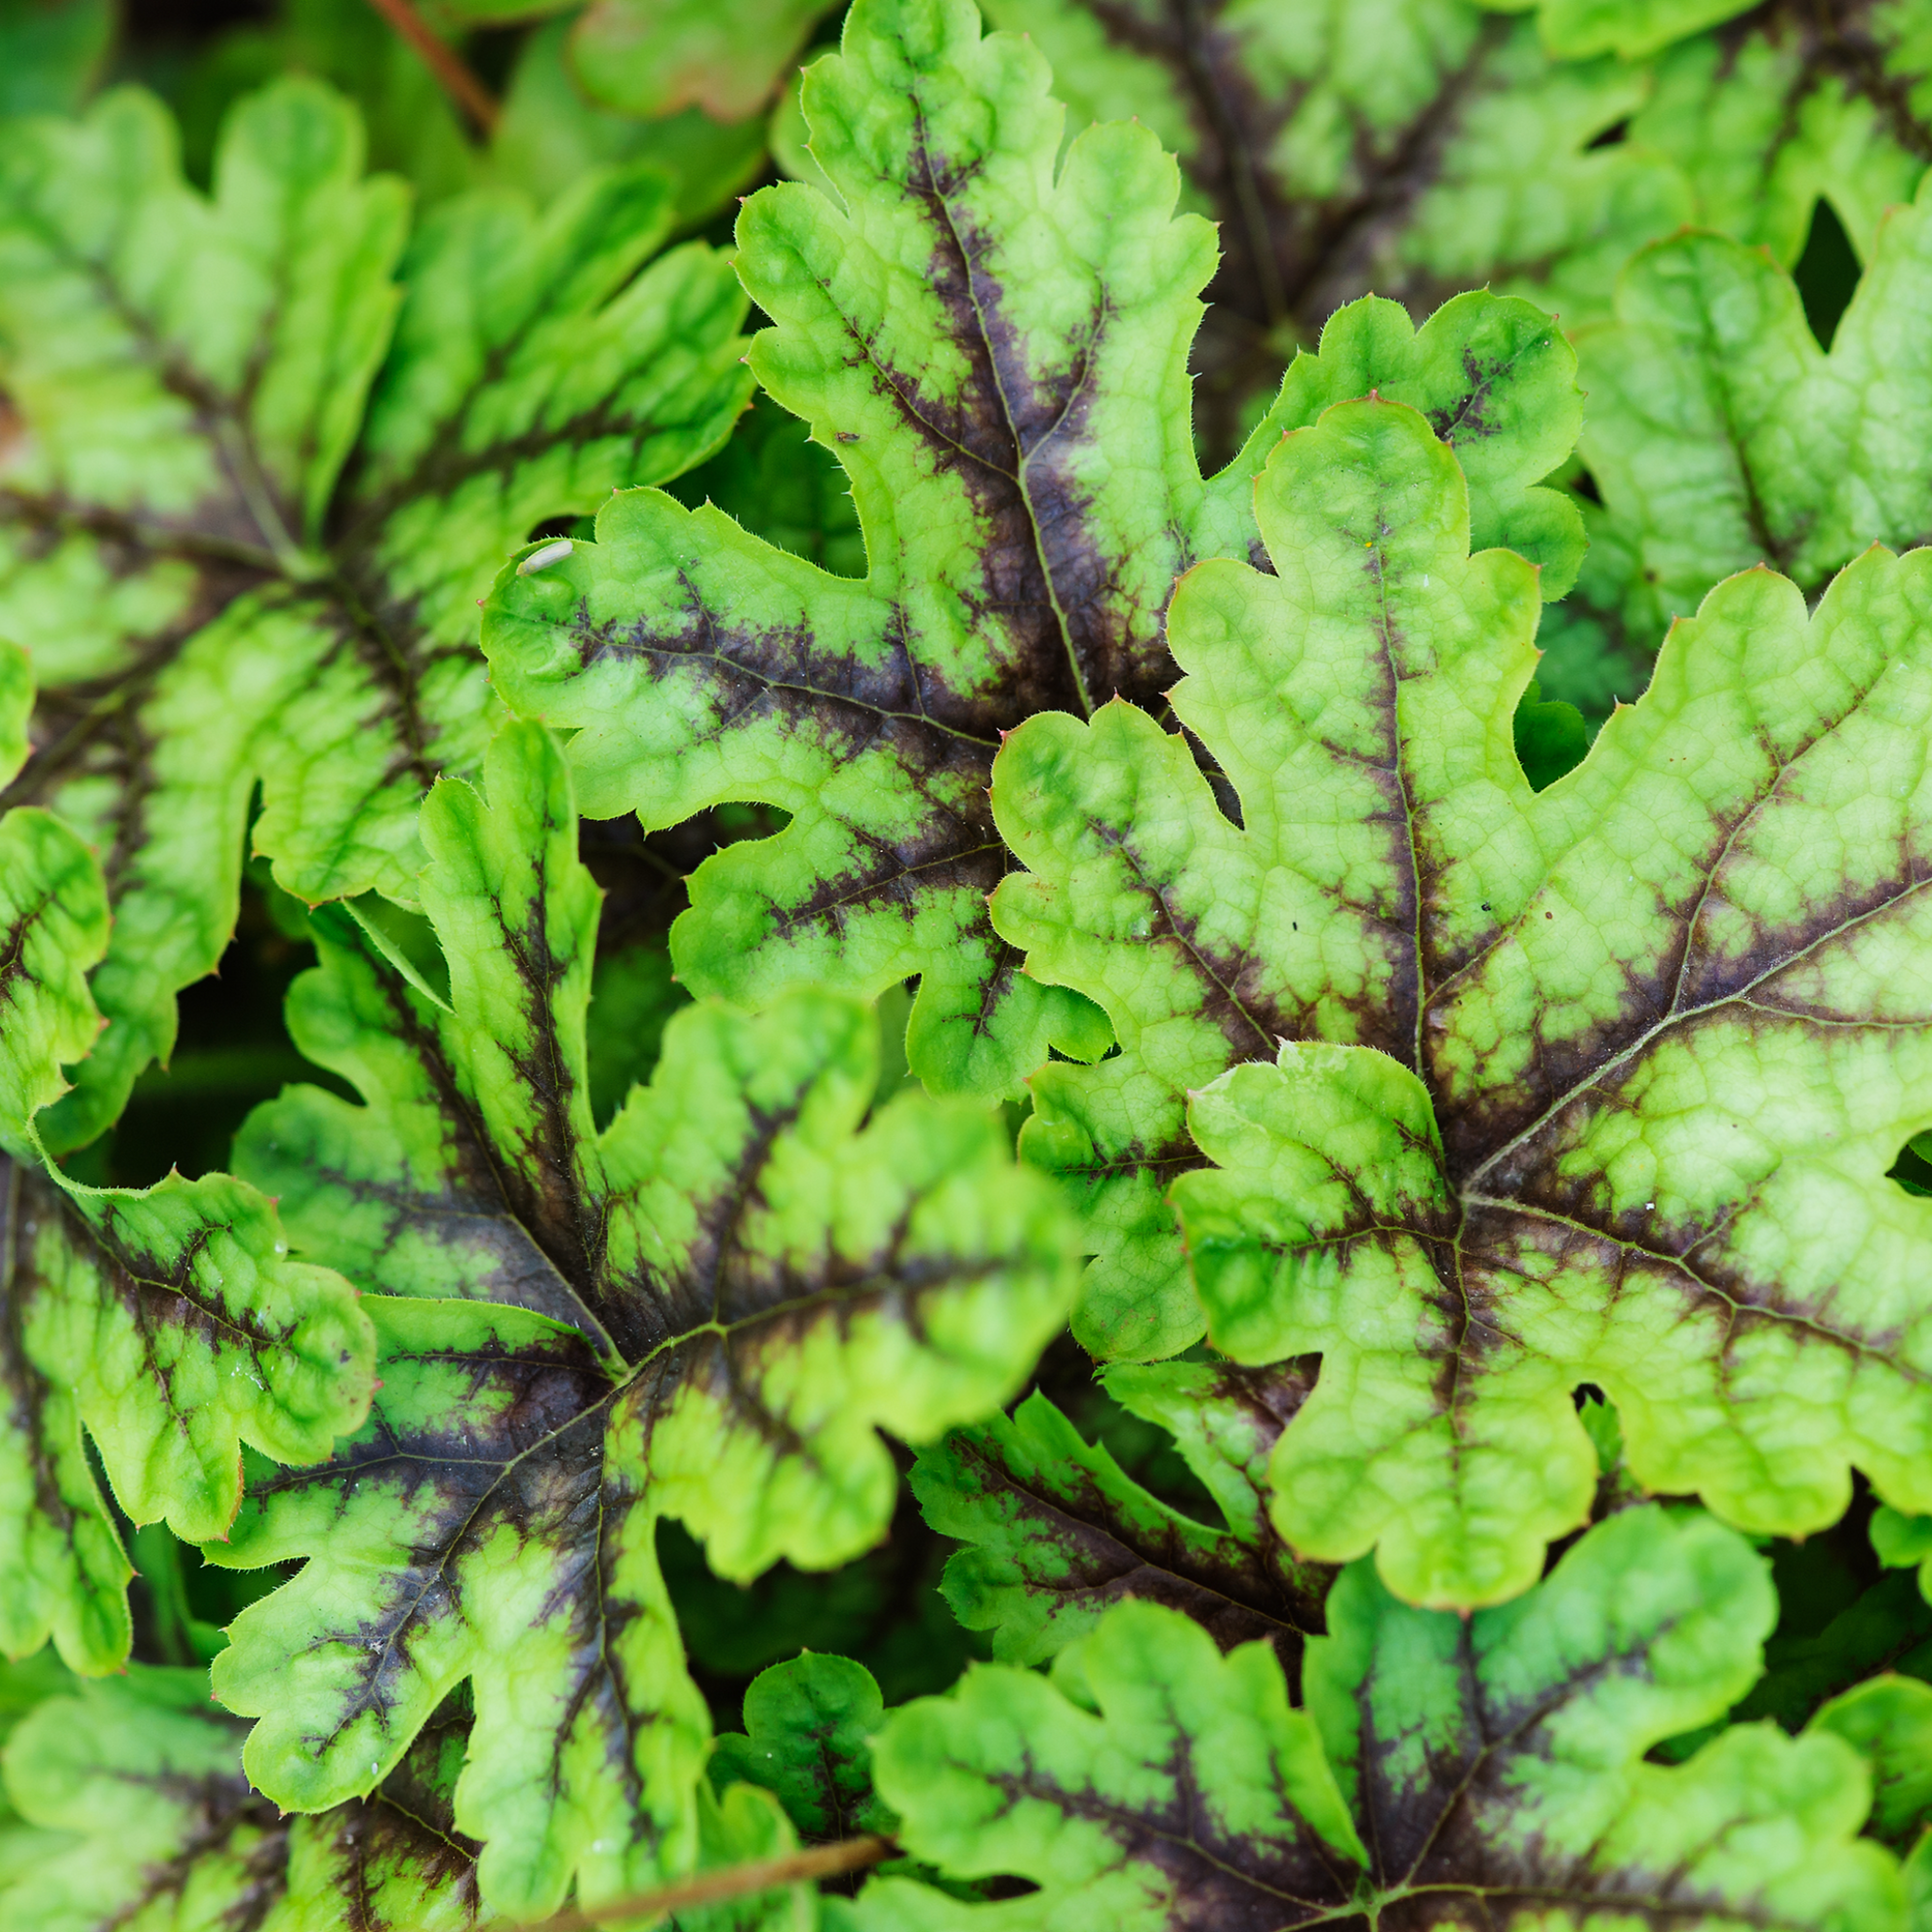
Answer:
[(1312, 1256)]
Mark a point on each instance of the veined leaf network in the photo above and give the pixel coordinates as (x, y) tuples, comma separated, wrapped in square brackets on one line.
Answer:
[(965, 967)]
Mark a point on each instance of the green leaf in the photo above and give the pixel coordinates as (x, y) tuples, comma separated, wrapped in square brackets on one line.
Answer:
[(1777, 111), (1595, 1084), (1484, 1770), (1551, 737), (244, 526), (549, 136), (651, 57), (169, 1324), (778, 483), (172, 1326), (1890, 1721), (1721, 435), (23, 1846), (719, 1300), (1887, 1628), (1576, 29), (1017, 562), (50, 52), (1902, 1541), (1056, 1532), (1407, 146), (142, 1780), (806, 1737), (53, 926)]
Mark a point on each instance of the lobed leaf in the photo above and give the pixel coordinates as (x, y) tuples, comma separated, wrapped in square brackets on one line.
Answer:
[(151, 1823), (992, 341), (1056, 1532), (1784, 107), (1596, 1084), (806, 1737), (257, 481), (1889, 1719), (706, 1310), (1445, 1770), (1722, 434), (168, 1325), (1412, 147)]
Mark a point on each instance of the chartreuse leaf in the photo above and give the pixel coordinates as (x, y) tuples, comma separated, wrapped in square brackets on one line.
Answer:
[(169, 1324), (172, 1327), (22, 1687), (1721, 435), (1596, 1084), (1446, 1771), (651, 57), (259, 485), (138, 1782), (717, 1301), (53, 927), (1576, 29), (1407, 146), (1774, 112), (1056, 1532), (993, 342), (806, 1737)]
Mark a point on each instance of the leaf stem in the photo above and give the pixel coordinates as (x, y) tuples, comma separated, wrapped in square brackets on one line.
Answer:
[(453, 75), (730, 1881)]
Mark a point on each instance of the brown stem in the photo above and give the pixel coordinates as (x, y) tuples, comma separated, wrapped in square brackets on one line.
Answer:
[(452, 74), (731, 1882)]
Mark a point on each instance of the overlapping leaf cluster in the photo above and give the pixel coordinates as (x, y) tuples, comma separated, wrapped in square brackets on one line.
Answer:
[(1096, 684)]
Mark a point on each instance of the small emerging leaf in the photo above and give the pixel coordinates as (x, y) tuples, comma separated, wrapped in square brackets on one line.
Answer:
[(809, 1725)]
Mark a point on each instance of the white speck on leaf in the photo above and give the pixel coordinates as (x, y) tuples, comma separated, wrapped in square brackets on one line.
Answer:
[(542, 559)]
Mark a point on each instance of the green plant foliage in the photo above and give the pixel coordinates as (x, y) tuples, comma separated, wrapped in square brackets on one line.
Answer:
[(1889, 1719), (1486, 1770), (1132, 783), (1578, 28), (50, 52), (259, 483), (1903, 1542), (1721, 435), (1887, 1628), (146, 1821), (649, 57), (1018, 560), (1600, 1055), (1056, 1531), (1790, 105), (705, 1311), (807, 1726), (173, 1328), (169, 1324), (549, 136), (1412, 147)]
